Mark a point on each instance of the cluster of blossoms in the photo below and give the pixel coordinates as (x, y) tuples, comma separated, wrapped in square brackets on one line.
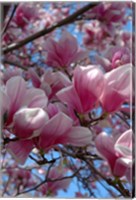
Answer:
[(44, 110)]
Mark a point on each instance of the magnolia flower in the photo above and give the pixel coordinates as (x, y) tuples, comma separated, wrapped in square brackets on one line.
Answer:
[(64, 52), (59, 130), (16, 95), (118, 88), (50, 82), (34, 129), (108, 12), (28, 120), (24, 14), (94, 35), (118, 153), (88, 84), (114, 57)]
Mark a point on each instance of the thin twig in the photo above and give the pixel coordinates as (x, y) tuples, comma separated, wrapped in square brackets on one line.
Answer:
[(14, 64), (50, 180), (10, 18)]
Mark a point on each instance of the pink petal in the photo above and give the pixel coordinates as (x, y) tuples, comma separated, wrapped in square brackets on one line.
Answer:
[(52, 109), (120, 80), (35, 78), (121, 166), (16, 90), (80, 55), (69, 42), (8, 73), (70, 97), (20, 150), (63, 79), (55, 131), (104, 62), (35, 98), (89, 84), (27, 120), (111, 99), (105, 146), (79, 136), (124, 143)]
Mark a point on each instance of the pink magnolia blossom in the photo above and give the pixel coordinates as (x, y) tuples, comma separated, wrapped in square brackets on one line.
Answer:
[(95, 35), (108, 12), (50, 81), (24, 14), (64, 52), (59, 130), (17, 95), (118, 152), (114, 57), (28, 120), (118, 88), (52, 187), (88, 84)]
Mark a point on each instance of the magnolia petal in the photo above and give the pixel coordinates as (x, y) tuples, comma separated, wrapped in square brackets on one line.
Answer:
[(35, 98), (121, 166), (27, 120), (70, 97), (111, 99), (34, 77), (105, 145), (55, 130), (79, 136), (67, 40), (80, 55), (89, 83), (104, 62), (20, 150), (124, 143), (16, 90)]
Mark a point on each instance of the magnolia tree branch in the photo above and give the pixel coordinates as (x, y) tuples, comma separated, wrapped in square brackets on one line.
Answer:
[(118, 186), (14, 64), (10, 18), (49, 180), (63, 22)]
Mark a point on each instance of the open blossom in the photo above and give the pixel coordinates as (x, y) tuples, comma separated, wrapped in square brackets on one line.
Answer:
[(50, 81), (16, 95), (114, 57), (59, 130), (118, 88), (44, 133), (88, 84), (108, 12), (95, 35), (118, 152), (24, 14), (64, 52), (28, 120)]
